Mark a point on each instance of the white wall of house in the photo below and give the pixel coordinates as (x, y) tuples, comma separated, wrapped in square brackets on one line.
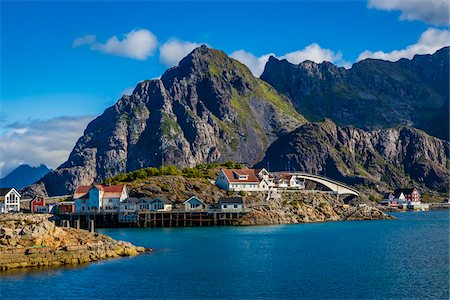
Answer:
[(127, 207), (110, 205), (193, 204), (231, 207), (11, 201), (142, 205), (158, 205)]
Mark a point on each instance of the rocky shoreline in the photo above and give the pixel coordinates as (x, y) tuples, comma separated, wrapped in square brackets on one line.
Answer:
[(294, 208), (32, 241)]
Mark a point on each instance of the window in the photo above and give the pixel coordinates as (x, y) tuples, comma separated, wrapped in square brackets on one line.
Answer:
[(235, 206), (224, 206)]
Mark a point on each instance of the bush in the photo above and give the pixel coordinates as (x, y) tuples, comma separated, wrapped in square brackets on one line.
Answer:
[(193, 173), (169, 170), (152, 171)]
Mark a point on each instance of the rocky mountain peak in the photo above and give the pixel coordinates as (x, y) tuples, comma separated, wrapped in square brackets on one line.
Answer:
[(209, 108)]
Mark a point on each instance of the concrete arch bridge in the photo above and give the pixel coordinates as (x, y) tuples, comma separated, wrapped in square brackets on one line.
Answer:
[(335, 186)]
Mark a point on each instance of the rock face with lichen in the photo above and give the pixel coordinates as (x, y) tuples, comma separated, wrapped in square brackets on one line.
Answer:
[(209, 108), (32, 241)]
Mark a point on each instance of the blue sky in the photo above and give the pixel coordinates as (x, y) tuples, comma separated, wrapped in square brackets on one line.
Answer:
[(46, 75)]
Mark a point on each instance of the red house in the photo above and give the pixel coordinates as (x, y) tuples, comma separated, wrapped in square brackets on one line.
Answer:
[(36, 201), (66, 207), (411, 195)]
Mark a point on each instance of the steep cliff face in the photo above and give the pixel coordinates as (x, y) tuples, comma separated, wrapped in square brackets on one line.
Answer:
[(378, 159), (209, 108), (373, 94)]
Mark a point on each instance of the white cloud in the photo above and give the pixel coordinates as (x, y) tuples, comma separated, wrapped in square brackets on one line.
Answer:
[(84, 40), (41, 141), (429, 42), (255, 64), (435, 12), (137, 44), (172, 51), (313, 52)]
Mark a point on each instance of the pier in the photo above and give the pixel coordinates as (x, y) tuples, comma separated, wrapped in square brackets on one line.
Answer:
[(147, 219)]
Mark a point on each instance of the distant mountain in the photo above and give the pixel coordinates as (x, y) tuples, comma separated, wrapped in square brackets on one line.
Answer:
[(23, 176), (373, 94), (210, 108), (379, 159)]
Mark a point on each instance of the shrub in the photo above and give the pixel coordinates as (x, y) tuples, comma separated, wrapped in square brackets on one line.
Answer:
[(169, 170)]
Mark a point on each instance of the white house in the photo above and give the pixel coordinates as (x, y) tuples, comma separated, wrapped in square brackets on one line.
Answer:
[(99, 198), (244, 180), (288, 181), (9, 200), (143, 204), (233, 204), (160, 204), (194, 203), (129, 205), (399, 197)]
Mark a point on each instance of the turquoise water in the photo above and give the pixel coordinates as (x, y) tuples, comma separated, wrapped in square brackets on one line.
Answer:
[(404, 258)]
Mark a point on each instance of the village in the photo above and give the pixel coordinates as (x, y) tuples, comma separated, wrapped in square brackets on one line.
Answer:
[(109, 205)]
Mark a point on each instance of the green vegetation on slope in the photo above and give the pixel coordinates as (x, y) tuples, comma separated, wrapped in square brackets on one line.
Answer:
[(208, 171)]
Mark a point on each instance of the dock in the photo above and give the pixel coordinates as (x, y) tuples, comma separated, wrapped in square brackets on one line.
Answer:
[(148, 219)]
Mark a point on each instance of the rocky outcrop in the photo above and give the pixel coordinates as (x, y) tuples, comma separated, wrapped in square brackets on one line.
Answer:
[(209, 108), (303, 207), (32, 241), (379, 159), (373, 94)]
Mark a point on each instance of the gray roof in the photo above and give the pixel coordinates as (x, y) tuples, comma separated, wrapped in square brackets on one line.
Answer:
[(231, 200), (194, 197), (4, 191), (131, 200), (162, 199)]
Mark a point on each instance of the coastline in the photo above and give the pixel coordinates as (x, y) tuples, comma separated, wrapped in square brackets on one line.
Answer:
[(32, 241)]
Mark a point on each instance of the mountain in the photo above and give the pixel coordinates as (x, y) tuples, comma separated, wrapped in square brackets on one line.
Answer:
[(378, 159), (209, 108), (23, 175), (373, 94)]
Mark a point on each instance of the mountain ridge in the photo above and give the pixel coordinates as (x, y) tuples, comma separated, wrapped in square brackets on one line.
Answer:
[(373, 94), (378, 159), (24, 175)]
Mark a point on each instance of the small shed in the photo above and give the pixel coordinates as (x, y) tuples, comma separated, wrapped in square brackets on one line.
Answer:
[(232, 204), (194, 203), (160, 204)]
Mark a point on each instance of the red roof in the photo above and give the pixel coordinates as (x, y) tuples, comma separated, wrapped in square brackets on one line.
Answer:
[(81, 191), (233, 175), (109, 191)]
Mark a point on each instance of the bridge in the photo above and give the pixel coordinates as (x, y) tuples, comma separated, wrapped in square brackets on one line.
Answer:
[(335, 186)]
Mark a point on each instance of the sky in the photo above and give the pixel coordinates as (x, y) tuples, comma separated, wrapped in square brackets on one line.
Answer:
[(63, 63)]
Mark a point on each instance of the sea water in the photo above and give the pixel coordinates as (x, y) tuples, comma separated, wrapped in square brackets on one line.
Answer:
[(403, 258)]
